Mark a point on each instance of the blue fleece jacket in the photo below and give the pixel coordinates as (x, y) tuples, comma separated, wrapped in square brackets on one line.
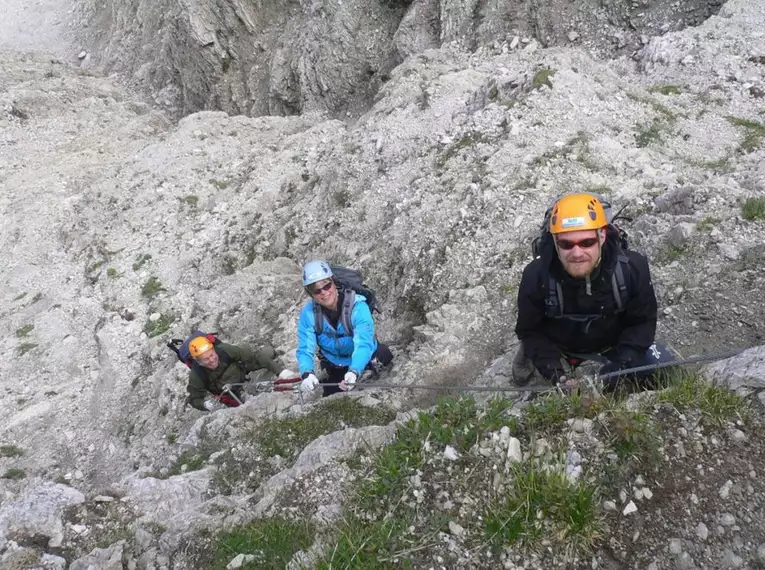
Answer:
[(336, 345)]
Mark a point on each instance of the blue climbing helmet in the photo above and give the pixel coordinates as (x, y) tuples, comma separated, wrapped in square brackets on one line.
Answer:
[(315, 271)]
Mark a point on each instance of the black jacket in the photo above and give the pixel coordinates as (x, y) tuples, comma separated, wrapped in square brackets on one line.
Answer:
[(626, 335)]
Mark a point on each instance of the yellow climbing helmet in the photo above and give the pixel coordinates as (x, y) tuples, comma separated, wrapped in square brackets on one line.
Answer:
[(577, 212), (199, 345)]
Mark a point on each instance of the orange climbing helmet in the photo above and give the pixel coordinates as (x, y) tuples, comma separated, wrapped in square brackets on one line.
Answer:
[(199, 345), (577, 212)]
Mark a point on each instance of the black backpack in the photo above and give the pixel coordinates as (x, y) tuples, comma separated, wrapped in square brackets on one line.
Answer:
[(351, 282), (619, 277)]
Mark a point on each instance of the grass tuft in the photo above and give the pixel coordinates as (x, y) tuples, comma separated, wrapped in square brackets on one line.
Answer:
[(754, 133), (717, 404), (193, 459), (376, 545), (707, 224), (192, 201), (140, 260), (633, 435), (649, 134), (467, 140), (753, 209), (21, 332), (14, 474), (273, 542), (542, 78), (160, 326), (25, 347), (654, 104), (11, 451), (152, 288), (219, 184), (666, 89), (544, 503), (718, 164), (671, 252), (549, 413)]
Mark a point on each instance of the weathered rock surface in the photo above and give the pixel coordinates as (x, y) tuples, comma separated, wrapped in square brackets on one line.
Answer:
[(103, 558), (294, 56), (38, 511), (745, 370), (123, 228)]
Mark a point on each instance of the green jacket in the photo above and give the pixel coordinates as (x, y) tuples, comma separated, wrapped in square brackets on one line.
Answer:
[(203, 381)]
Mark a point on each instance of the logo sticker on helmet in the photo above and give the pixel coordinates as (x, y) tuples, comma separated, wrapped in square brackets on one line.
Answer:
[(572, 222)]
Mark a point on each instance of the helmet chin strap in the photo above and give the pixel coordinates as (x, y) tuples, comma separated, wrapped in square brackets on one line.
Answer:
[(597, 262), (600, 248)]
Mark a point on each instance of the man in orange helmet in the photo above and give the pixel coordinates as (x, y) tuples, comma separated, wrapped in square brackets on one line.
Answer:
[(217, 364), (585, 297)]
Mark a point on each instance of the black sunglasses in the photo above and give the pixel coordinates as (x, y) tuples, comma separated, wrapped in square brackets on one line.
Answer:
[(582, 243), (320, 290)]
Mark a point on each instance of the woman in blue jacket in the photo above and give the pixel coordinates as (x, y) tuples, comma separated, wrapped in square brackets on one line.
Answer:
[(339, 323)]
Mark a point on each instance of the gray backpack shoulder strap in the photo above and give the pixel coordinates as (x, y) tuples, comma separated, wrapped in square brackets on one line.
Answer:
[(619, 281), (554, 300), (346, 310), (318, 318)]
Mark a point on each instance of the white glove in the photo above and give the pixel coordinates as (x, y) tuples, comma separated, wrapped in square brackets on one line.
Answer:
[(309, 383), (211, 404), (349, 381), (287, 374)]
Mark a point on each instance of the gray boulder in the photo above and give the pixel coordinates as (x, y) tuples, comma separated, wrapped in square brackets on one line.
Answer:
[(101, 559), (38, 511), (745, 370)]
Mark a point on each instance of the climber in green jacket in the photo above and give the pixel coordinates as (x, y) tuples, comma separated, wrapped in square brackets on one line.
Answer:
[(218, 364)]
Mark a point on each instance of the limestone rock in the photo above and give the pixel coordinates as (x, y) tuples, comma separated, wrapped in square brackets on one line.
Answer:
[(102, 558), (38, 511), (744, 370)]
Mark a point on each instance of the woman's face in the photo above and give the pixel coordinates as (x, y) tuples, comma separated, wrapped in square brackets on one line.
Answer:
[(324, 292)]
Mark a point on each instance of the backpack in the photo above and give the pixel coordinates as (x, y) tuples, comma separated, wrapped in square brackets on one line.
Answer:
[(619, 277), (351, 282), (181, 348)]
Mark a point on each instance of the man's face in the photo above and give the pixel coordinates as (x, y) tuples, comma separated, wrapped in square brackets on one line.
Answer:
[(208, 360), (579, 252)]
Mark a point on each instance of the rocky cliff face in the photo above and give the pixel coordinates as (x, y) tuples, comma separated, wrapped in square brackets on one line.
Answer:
[(285, 57), (123, 227)]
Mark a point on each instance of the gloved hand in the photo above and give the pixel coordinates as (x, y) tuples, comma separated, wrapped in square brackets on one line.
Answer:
[(554, 375), (610, 383), (612, 366), (349, 381), (211, 404), (310, 381), (287, 373)]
